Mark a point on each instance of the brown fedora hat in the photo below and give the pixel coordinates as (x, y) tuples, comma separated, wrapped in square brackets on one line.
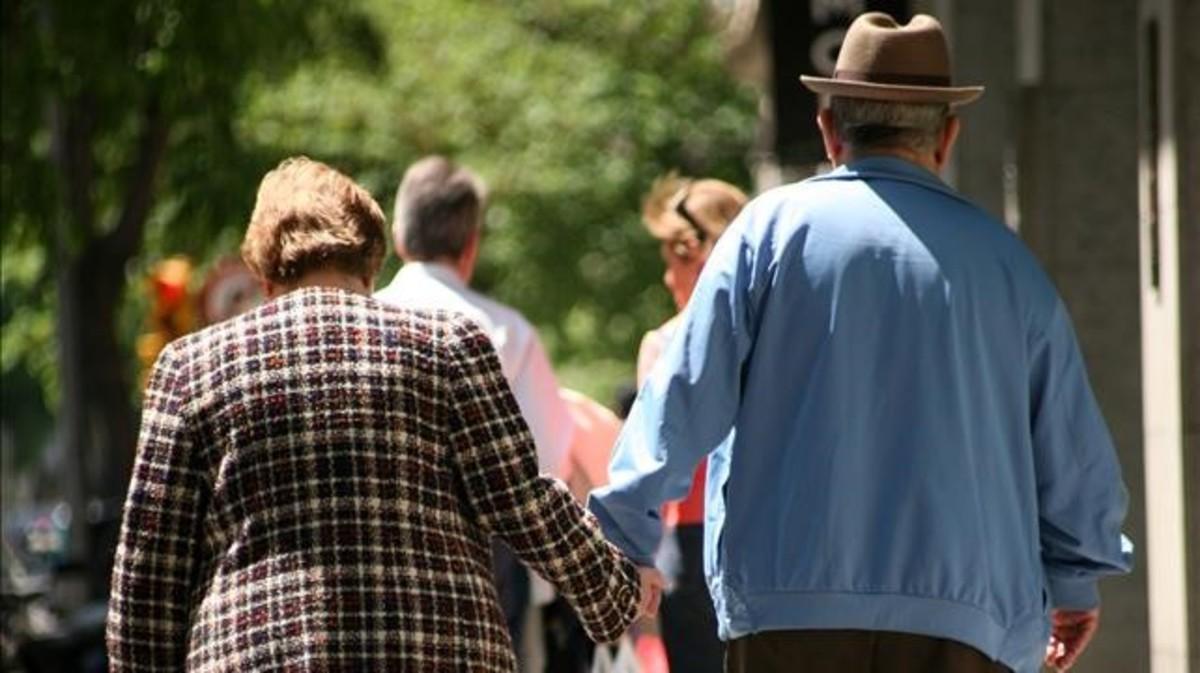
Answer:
[(883, 60)]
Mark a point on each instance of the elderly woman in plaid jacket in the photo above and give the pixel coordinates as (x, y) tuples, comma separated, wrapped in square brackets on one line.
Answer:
[(317, 480)]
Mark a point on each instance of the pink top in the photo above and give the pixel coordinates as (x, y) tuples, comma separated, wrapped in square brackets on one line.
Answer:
[(596, 430)]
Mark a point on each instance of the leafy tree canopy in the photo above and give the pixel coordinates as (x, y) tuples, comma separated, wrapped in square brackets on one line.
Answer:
[(118, 147), (568, 108)]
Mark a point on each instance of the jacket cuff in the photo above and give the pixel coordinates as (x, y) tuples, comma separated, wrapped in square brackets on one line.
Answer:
[(1073, 593), (622, 604), (612, 531)]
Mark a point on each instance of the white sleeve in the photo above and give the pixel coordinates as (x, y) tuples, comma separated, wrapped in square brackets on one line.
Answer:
[(536, 391)]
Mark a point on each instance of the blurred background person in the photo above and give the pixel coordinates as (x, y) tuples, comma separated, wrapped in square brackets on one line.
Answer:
[(596, 428), (437, 229), (317, 479), (687, 217)]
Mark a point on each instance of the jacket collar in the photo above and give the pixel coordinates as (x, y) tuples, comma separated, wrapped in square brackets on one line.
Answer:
[(436, 271), (889, 168)]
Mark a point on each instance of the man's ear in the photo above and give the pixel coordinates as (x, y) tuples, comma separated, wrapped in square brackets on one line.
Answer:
[(398, 244), (946, 142), (829, 136), (470, 255)]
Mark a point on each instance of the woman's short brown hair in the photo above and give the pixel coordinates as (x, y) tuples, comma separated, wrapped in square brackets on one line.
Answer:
[(308, 216)]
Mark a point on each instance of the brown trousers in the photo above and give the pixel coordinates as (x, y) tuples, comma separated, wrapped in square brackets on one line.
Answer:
[(847, 651)]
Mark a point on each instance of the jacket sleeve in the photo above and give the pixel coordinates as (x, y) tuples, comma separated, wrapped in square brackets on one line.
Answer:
[(535, 514), (1081, 498), (153, 575), (687, 406)]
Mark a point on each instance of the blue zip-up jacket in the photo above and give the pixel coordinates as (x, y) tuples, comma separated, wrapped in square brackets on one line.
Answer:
[(901, 432)]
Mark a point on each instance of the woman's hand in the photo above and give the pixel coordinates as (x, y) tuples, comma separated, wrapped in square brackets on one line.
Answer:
[(652, 587)]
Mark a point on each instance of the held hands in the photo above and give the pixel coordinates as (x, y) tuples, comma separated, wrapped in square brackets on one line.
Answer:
[(652, 587), (1070, 633)]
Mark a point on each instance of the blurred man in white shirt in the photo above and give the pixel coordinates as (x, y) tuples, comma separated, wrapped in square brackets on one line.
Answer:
[(436, 228), (438, 221)]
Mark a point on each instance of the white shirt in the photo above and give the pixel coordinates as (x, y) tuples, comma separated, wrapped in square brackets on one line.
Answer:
[(425, 285)]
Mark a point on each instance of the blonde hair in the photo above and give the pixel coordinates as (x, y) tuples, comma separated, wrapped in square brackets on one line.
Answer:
[(308, 216), (683, 211)]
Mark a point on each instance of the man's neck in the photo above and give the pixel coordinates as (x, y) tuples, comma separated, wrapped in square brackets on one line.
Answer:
[(454, 266), (925, 160)]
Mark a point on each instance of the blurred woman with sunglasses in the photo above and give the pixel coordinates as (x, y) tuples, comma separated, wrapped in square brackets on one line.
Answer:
[(687, 217)]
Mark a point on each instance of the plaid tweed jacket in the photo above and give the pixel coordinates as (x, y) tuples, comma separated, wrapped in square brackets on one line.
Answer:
[(315, 489)]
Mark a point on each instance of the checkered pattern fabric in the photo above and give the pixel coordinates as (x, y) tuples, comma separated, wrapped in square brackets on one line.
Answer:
[(316, 485)]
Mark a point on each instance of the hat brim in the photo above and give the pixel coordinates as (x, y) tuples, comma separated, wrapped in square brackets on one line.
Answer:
[(900, 93)]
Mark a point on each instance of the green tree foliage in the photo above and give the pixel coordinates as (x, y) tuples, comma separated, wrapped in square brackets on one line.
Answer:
[(136, 129), (569, 109), (118, 123)]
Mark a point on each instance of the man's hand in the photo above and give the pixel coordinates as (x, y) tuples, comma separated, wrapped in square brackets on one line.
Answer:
[(1070, 633), (652, 587)]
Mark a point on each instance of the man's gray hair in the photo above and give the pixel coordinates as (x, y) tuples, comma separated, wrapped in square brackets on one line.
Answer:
[(439, 205), (875, 124)]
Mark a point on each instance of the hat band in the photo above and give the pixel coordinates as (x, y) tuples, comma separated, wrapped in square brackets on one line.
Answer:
[(891, 78)]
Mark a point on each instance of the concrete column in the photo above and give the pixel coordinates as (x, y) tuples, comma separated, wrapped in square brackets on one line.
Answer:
[(1161, 353), (1077, 151), (1187, 146), (984, 52)]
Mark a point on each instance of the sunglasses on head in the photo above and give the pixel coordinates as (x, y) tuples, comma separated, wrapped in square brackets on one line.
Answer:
[(682, 211)]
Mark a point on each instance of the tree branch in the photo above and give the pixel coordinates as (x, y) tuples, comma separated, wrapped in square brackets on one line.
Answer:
[(71, 124), (126, 237)]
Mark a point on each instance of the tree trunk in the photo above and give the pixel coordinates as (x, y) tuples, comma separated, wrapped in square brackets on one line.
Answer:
[(95, 420)]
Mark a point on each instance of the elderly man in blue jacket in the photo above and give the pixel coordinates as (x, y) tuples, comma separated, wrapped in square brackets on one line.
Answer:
[(908, 470)]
